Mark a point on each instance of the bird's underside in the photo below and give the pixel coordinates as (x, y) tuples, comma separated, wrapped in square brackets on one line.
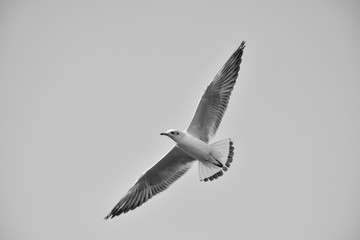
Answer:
[(203, 126)]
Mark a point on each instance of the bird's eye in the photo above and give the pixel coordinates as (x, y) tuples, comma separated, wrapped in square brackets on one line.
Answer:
[(172, 132), (177, 133)]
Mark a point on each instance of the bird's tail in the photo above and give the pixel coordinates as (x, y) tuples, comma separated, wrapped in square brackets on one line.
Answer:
[(222, 154)]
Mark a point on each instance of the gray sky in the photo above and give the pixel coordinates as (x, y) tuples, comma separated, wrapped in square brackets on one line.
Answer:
[(86, 88)]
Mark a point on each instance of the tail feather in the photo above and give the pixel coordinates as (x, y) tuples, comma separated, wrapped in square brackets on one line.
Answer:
[(224, 152)]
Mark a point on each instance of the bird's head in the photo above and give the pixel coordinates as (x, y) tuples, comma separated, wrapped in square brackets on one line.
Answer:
[(175, 135)]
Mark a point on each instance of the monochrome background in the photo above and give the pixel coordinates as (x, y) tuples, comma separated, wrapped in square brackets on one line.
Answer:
[(87, 86)]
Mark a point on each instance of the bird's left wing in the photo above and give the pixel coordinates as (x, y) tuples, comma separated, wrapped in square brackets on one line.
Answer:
[(215, 99), (155, 180)]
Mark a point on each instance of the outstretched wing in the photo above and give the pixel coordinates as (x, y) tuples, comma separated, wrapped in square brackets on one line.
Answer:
[(214, 101), (155, 180)]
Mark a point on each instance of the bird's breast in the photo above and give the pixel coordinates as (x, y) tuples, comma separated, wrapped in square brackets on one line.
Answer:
[(195, 147)]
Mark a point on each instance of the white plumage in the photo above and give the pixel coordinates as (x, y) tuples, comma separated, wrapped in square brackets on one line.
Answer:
[(191, 144)]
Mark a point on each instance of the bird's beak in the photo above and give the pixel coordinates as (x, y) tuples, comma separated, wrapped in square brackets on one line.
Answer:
[(164, 134)]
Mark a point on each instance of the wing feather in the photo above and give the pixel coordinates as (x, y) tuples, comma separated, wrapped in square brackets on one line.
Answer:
[(155, 180), (215, 100)]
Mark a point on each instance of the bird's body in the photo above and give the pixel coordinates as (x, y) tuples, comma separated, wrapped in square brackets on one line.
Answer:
[(191, 144), (195, 147), (198, 149)]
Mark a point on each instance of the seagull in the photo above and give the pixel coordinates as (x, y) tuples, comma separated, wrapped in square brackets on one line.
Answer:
[(192, 144)]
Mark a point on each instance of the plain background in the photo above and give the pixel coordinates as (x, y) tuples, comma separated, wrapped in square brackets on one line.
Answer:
[(87, 86)]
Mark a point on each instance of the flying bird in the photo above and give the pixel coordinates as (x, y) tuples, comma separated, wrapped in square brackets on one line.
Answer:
[(192, 144)]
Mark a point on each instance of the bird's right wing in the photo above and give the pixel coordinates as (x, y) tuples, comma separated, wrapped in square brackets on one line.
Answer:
[(155, 180)]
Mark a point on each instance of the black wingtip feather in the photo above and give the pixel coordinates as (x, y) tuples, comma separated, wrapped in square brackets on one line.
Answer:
[(242, 45), (238, 53)]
